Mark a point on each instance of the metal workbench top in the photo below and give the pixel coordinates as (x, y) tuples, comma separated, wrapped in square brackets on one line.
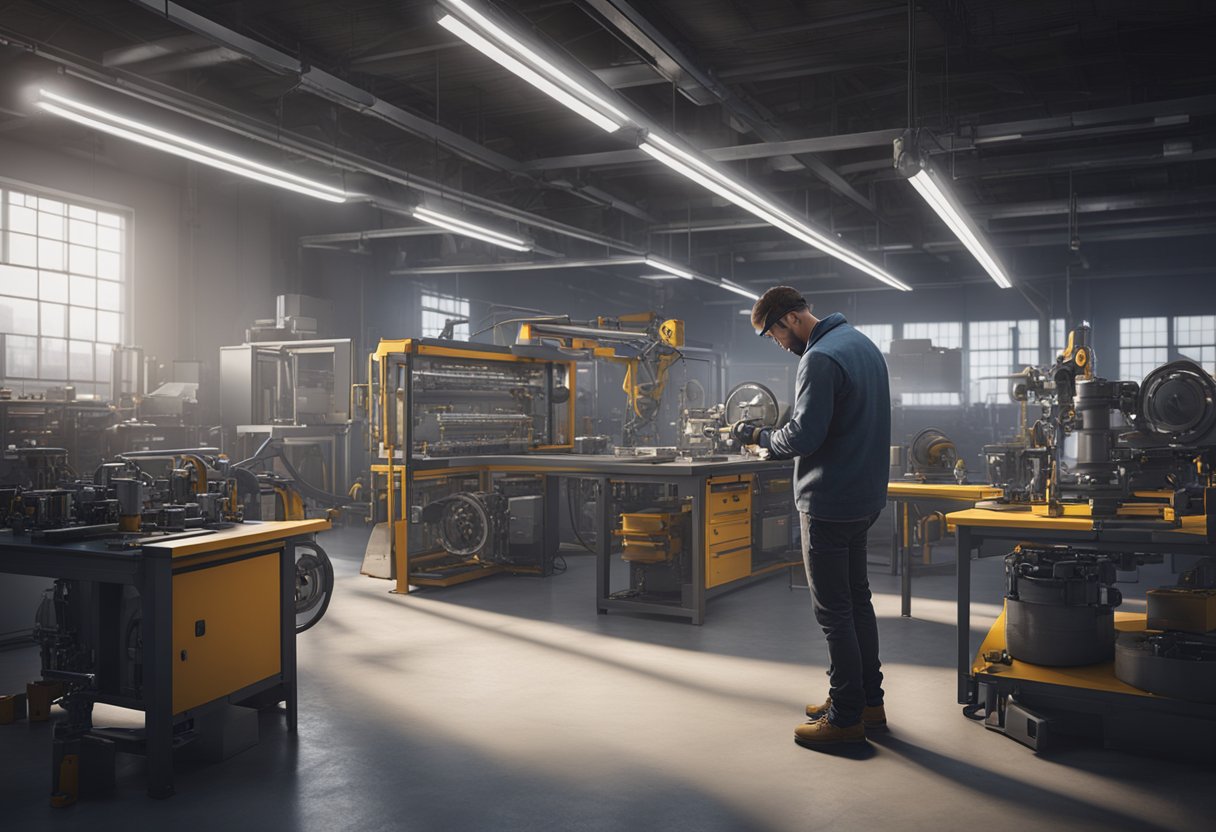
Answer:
[(605, 464)]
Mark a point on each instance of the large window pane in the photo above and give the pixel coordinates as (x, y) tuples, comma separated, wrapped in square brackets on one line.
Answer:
[(105, 357), (52, 254), (54, 319), (1143, 346), (54, 359), (109, 239), (22, 249), (84, 291), (109, 265), (21, 356), (18, 316), (82, 233), (53, 286), (109, 296), (51, 226), (24, 220), (80, 360), (82, 322), (82, 259), (18, 281)]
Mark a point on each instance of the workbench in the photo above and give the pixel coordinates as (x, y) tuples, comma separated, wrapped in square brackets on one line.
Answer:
[(691, 479), (1091, 689), (240, 581), (903, 495)]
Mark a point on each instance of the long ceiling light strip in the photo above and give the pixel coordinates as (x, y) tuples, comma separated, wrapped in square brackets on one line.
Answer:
[(465, 228), (691, 166), (671, 268), (501, 47), (163, 140), (956, 218), (739, 290)]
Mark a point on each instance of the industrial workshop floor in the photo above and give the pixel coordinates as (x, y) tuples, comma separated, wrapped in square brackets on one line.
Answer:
[(508, 704)]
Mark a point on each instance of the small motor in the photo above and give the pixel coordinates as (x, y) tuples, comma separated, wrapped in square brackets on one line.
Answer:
[(1059, 606)]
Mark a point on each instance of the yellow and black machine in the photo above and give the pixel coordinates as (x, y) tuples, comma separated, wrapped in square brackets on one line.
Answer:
[(644, 343), (1061, 658), (431, 400), (166, 600)]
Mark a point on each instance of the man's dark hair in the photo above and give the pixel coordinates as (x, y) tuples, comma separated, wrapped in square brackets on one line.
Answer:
[(774, 305)]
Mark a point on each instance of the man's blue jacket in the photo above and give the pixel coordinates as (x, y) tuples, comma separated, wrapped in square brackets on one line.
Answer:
[(839, 433)]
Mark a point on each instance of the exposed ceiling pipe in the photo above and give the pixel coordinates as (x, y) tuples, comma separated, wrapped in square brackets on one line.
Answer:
[(183, 103)]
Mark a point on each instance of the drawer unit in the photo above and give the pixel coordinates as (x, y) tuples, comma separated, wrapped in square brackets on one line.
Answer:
[(726, 562), (728, 529)]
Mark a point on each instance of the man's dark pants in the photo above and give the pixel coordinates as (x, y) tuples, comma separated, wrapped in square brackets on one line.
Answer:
[(834, 554)]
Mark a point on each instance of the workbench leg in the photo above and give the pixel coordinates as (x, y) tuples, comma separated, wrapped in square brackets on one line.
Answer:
[(905, 577), (603, 544), (699, 486), (551, 537), (287, 630), (156, 598), (966, 687), (896, 536)]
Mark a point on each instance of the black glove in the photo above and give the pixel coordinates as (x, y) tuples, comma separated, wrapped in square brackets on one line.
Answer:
[(746, 433)]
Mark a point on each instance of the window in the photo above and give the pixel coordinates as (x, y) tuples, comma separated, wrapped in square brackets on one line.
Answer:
[(880, 334), (1195, 338), (1143, 346), (437, 309), (941, 334), (949, 335), (62, 268), (991, 354)]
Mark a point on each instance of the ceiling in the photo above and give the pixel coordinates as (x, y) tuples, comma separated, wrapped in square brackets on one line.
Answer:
[(1082, 135)]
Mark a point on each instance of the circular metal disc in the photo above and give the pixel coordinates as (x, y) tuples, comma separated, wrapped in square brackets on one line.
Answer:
[(752, 401)]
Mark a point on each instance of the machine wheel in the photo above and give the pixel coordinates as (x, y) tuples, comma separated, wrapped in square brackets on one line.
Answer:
[(314, 584)]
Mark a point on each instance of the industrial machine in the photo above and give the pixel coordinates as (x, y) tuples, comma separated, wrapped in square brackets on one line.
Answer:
[(297, 392), (706, 432), (643, 343), (164, 600), (1140, 487), (428, 400), (930, 457)]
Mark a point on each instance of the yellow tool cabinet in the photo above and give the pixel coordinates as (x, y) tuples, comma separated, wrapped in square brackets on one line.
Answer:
[(728, 529)]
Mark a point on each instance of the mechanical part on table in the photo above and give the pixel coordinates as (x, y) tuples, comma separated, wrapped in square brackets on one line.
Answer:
[(643, 343), (298, 392), (1176, 655), (428, 398), (1059, 604), (749, 401), (932, 457), (656, 544)]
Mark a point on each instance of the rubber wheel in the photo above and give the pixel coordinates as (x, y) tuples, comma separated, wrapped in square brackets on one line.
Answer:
[(314, 584)]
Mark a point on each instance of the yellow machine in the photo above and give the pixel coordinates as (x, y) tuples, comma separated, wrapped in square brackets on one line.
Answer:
[(646, 345), (429, 400)]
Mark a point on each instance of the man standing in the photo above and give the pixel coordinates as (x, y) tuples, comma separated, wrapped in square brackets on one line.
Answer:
[(839, 435)]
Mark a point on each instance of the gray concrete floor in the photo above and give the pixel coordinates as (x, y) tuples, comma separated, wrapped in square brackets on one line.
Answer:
[(508, 704)]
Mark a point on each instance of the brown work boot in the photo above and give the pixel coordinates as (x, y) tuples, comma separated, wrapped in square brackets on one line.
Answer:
[(822, 732), (874, 717)]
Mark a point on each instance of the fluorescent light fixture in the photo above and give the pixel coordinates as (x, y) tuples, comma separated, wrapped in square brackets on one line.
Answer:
[(497, 44), (692, 166), (163, 140), (659, 276), (465, 228), (672, 268), (739, 290), (956, 218)]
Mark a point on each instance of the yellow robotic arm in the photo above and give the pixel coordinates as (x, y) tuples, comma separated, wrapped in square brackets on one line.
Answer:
[(646, 345)]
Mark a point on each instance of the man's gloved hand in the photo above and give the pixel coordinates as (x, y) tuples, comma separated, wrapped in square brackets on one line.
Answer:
[(746, 433)]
